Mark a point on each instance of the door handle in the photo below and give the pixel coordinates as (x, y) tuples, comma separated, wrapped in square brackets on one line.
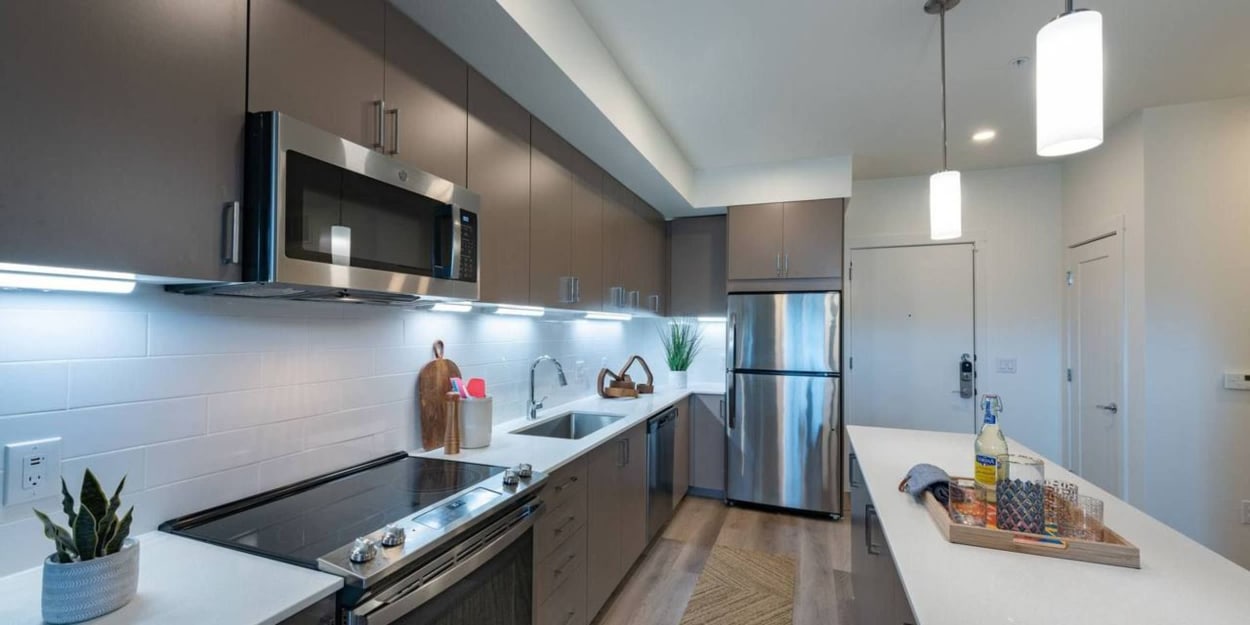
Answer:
[(966, 390), (1111, 407), (778, 264), (232, 224), (394, 132), (854, 464), (870, 513), (785, 268), (379, 110)]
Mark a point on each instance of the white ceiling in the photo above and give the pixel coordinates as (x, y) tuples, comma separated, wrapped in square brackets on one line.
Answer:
[(737, 82)]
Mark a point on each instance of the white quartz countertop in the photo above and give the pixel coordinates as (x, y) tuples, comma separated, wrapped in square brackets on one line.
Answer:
[(188, 582), (548, 454), (1180, 581)]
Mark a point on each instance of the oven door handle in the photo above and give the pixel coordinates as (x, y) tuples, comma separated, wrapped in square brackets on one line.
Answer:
[(395, 608)]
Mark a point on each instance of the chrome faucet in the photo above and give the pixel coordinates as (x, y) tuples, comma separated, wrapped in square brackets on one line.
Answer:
[(533, 406)]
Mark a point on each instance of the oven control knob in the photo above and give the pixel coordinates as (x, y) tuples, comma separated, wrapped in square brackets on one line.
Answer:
[(524, 471), (363, 550), (510, 478), (393, 536)]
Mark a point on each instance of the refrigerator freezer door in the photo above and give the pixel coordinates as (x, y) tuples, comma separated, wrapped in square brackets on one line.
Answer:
[(783, 443), (785, 331)]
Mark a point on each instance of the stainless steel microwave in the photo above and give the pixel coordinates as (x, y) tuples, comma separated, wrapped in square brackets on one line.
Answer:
[(330, 220)]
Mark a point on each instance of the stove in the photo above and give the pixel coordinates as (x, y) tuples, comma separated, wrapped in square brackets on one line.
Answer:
[(387, 526)]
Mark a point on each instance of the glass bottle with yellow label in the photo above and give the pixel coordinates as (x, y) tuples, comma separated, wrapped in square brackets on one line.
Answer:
[(990, 445)]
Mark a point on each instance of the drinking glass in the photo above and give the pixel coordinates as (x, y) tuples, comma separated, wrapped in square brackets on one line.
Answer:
[(1059, 506), (967, 504), (1021, 494), (1087, 519)]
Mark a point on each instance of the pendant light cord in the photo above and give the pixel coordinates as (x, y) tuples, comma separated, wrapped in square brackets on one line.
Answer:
[(942, 28)]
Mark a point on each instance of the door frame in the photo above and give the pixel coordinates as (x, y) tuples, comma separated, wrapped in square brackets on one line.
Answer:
[(1113, 227), (981, 254)]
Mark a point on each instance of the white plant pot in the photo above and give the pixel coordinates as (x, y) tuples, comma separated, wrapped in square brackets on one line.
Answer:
[(78, 591), (678, 379)]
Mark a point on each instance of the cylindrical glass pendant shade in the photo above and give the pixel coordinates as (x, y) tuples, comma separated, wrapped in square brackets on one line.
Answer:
[(945, 206), (1069, 84)]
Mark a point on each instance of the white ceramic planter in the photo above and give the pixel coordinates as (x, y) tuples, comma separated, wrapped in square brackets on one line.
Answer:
[(678, 379), (79, 591)]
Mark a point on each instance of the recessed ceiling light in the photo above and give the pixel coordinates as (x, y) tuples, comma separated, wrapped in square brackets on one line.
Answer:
[(984, 136)]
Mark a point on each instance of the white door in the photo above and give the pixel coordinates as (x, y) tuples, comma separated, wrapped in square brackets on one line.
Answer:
[(911, 320), (1095, 355)]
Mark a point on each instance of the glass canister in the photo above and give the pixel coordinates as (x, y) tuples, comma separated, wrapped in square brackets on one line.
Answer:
[(1021, 494)]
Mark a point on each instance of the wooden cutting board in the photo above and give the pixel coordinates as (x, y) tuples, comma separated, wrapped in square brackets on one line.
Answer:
[(433, 383)]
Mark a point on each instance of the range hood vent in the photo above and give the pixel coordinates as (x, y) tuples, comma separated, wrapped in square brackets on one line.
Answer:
[(275, 290)]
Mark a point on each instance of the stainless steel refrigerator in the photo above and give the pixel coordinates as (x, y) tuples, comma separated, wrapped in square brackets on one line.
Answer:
[(783, 425)]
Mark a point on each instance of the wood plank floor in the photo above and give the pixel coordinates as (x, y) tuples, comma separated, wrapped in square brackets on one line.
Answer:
[(657, 590)]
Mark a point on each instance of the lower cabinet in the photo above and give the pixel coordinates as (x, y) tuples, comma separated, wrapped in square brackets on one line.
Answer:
[(878, 595), (681, 451), (560, 553), (617, 513), (707, 444)]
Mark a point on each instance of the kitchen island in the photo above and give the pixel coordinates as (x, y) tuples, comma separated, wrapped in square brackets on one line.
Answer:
[(1180, 581)]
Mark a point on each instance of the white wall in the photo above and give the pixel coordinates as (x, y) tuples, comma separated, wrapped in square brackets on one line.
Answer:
[(1179, 177), (201, 400), (1196, 446), (1014, 216)]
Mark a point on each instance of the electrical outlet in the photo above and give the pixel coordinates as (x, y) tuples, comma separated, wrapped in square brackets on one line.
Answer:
[(1245, 512), (32, 470)]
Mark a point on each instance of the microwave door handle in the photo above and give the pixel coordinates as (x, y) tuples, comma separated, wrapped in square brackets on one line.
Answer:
[(453, 272)]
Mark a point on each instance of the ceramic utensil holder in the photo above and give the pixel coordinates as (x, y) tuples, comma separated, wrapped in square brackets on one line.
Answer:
[(475, 422)]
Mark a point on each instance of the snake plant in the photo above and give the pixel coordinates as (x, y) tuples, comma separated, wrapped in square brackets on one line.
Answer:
[(683, 340), (95, 530)]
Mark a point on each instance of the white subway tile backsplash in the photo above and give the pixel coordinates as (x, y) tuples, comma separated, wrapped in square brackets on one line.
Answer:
[(88, 431), (27, 335), (97, 382), (203, 400), (179, 333), (33, 387)]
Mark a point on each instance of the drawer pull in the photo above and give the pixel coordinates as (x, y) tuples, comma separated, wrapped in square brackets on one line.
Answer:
[(565, 525), (566, 484), (560, 571), (569, 619)]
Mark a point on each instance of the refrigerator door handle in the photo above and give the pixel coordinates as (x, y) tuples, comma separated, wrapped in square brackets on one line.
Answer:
[(728, 404)]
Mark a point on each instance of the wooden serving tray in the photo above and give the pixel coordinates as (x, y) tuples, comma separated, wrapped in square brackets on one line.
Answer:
[(1114, 549)]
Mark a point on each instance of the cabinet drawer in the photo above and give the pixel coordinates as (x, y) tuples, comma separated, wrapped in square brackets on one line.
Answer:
[(565, 483), (567, 605), (559, 524), (558, 567)]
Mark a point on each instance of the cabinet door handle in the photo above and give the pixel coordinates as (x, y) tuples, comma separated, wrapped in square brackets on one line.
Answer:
[(785, 268), (569, 619), (564, 525), (778, 264), (566, 290), (394, 132), (870, 513), (560, 571), (379, 110), (231, 234), (854, 465), (566, 484), (577, 289)]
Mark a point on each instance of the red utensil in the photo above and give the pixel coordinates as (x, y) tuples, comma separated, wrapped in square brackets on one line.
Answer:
[(477, 387)]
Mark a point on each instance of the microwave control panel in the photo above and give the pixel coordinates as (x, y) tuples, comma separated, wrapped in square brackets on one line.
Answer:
[(468, 246)]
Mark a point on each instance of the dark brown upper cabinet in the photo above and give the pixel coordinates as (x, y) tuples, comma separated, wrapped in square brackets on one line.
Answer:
[(697, 282), (322, 62), (122, 133), (426, 89), (783, 242), (566, 227), (499, 172)]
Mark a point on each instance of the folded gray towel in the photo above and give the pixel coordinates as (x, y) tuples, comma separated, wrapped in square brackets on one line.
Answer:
[(924, 477)]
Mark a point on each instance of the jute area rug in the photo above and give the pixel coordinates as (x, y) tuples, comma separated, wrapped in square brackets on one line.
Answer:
[(743, 587)]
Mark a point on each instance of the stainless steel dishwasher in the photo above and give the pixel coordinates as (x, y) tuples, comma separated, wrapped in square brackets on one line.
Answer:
[(660, 450)]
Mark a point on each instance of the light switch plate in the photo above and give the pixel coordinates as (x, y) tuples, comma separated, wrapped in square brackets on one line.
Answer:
[(1006, 365), (1237, 380), (32, 470)]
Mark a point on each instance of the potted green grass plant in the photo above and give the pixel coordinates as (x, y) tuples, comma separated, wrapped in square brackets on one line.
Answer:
[(95, 568), (683, 340)]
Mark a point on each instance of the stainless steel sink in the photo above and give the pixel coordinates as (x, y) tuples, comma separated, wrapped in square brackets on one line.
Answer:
[(572, 426)]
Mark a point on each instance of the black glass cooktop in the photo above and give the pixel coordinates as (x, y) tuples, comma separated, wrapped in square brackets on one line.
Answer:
[(308, 520)]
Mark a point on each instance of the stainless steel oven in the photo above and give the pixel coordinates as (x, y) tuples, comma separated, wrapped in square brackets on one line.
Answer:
[(328, 219)]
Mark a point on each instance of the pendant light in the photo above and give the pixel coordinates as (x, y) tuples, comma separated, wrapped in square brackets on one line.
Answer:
[(1069, 83), (945, 189)]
